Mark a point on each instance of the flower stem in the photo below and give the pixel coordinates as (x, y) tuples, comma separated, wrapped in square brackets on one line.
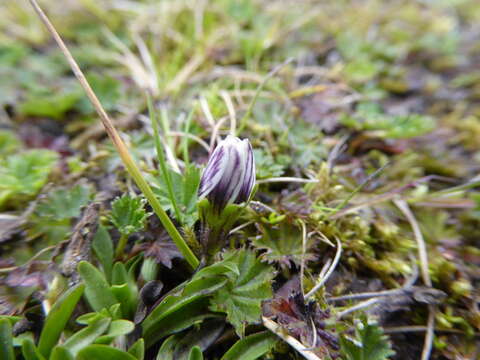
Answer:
[(122, 149)]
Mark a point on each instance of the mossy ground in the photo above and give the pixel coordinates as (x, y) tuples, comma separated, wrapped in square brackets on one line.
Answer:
[(348, 88)]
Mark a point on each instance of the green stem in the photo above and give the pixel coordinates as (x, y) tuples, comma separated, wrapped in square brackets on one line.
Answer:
[(161, 160), (186, 158), (122, 242), (162, 215)]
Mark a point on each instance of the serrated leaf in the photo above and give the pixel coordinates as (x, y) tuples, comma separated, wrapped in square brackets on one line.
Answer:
[(241, 298), (369, 344), (128, 214), (251, 347), (24, 174), (283, 244), (266, 166), (62, 203)]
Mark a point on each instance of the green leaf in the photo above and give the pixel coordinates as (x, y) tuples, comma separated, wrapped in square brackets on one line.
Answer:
[(6, 341), (30, 351), (195, 354), (138, 349), (125, 289), (251, 347), (168, 347), (128, 214), (50, 104), (57, 318), (86, 336), (106, 88), (8, 142), (369, 344), (186, 316), (241, 298), (185, 189), (63, 203), (283, 244), (103, 247), (60, 353), (369, 116), (24, 174), (201, 336), (266, 166), (97, 290), (117, 328), (102, 352), (186, 304), (174, 314)]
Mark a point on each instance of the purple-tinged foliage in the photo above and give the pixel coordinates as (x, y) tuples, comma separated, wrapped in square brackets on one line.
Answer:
[(230, 173)]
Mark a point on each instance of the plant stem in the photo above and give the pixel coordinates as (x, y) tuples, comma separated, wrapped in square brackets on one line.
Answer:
[(122, 242), (122, 149)]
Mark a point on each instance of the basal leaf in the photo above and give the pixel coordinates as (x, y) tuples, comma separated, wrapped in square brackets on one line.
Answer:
[(103, 247), (97, 290), (86, 336), (117, 328), (57, 319), (30, 351), (251, 347), (188, 303), (138, 349), (6, 342), (195, 354), (61, 353), (102, 352)]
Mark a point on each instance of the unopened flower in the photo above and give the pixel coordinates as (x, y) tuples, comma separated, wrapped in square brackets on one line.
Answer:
[(230, 173)]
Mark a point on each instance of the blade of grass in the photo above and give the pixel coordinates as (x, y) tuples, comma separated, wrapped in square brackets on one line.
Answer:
[(357, 190), (248, 113), (161, 159), (122, 149), (185, 140)]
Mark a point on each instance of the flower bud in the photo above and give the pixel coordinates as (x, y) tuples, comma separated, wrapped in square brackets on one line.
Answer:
[(230, 173)]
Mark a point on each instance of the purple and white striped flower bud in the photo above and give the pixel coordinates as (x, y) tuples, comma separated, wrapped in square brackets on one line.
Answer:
[(230, 173)]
